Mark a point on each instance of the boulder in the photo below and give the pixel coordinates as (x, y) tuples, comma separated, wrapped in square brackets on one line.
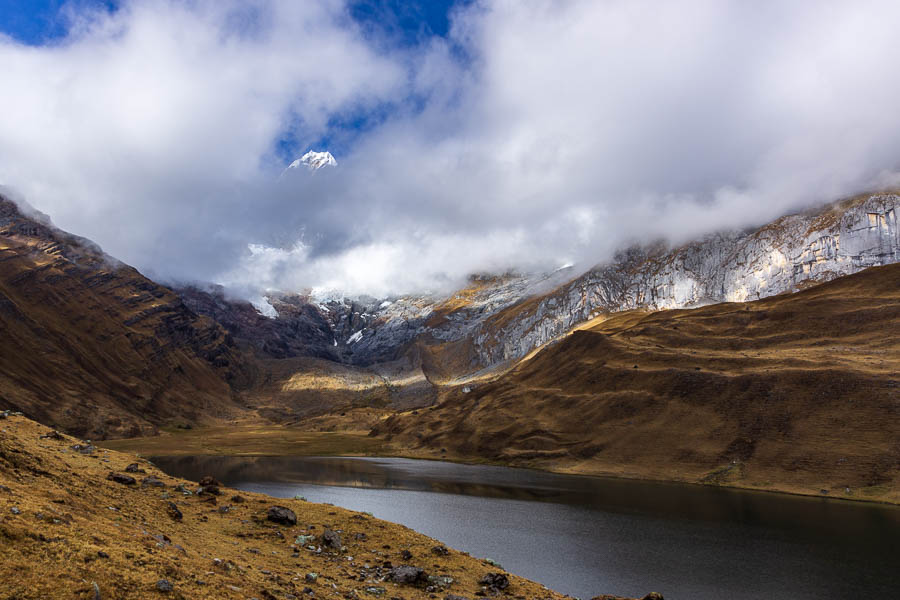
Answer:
[(121, 478), (495, 581), (281, 515), (407, 574), (330, 539), (173, 511)]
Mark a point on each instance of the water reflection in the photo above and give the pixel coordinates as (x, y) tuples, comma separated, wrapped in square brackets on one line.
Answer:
[(584, 535)]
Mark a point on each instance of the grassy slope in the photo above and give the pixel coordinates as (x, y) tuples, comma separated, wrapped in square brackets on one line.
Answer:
[(95, 347), (69, 512), (795, 393)]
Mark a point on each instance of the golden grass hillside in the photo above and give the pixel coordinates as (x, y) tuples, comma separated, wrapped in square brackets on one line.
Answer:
[(69, 531), (96, 348), (797, 393)]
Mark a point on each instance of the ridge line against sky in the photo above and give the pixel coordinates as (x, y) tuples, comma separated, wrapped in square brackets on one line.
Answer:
[(470, 137)]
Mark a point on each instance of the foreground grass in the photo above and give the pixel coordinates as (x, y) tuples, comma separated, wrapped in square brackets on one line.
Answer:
[(68, 531)]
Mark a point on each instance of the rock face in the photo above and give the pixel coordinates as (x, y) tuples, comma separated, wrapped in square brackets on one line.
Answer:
[(783, 256), (91, 345), (366, 331), (497, 319), (299, 330)]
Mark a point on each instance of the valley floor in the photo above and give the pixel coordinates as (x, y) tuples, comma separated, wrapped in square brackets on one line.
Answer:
[(796, 393), (278, 440)]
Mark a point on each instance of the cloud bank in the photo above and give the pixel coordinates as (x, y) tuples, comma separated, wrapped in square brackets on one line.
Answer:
[(534, 134)]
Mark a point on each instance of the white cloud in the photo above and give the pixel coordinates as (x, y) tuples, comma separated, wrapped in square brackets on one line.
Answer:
[(539, 133)]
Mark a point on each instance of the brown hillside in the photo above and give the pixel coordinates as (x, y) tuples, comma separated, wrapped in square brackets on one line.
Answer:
[(68, 531), (94, 347), (796, 392)]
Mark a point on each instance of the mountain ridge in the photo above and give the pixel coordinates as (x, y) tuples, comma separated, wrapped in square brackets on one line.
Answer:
[(397, 354), (497, 320), (93, 346)]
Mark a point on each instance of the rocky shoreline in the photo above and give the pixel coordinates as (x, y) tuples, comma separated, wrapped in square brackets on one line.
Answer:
[(85, 522)]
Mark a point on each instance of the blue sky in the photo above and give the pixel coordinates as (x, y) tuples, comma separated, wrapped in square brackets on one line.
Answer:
[(38, 22), (396, 23)]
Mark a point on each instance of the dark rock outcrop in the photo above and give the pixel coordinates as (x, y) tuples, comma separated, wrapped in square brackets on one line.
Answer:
[(407, 574), (120, 478)]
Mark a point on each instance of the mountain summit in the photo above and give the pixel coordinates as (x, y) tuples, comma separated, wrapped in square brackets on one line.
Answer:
[(314, 161)]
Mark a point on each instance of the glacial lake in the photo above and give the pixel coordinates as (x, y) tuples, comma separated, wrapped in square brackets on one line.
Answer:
[(585, 536)]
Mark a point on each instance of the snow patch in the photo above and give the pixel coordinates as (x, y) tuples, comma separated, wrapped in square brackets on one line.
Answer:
[(314, 161), (263, 307), (355, 337)]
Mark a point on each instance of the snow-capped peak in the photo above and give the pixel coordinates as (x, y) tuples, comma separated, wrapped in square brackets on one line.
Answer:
[(314, 161)]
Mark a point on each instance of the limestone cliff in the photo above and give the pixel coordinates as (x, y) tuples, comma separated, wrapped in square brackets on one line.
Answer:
[(498, 319), (784, 256)]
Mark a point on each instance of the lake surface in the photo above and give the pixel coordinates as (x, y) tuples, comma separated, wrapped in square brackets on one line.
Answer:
[(585, 536)]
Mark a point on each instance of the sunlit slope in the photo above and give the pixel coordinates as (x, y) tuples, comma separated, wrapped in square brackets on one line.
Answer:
[(796, 392)]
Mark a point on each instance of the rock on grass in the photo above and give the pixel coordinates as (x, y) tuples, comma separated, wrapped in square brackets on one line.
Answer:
[(173, 511), (121, 478), (407, 574), (281, 515), (330, 539), (495, 581)]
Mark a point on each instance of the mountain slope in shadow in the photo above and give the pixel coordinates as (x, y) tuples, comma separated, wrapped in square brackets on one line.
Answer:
[(94, 347)]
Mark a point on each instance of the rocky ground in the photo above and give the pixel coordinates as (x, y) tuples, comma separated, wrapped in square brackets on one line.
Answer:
[(77, 521)]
